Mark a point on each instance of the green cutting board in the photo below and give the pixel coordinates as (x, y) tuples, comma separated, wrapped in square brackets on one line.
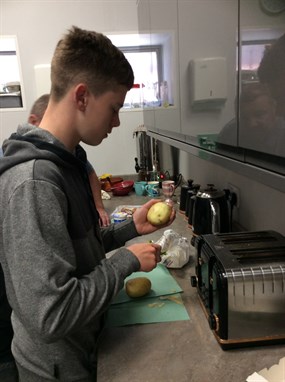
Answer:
[(147, 311)]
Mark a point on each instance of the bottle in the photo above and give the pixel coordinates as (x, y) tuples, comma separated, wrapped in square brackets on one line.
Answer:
[(164, 94), (136, 96)]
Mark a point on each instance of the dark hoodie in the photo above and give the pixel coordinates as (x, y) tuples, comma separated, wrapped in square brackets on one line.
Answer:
[(52, 251)]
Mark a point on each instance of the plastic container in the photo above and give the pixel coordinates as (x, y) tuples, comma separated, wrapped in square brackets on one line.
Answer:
[(136, 96), (120, 217)]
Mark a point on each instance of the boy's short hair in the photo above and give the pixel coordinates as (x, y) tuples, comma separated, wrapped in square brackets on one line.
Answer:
[(40, 105), (272, 66), (91, 58)]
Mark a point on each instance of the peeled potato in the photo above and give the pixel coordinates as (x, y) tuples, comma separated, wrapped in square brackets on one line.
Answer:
[(138, 287), (159, 213)]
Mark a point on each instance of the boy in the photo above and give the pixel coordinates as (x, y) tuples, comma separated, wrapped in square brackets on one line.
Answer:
[(58, 281)]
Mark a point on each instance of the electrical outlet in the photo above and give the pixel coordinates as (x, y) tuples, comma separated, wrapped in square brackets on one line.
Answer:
[(236, 190)]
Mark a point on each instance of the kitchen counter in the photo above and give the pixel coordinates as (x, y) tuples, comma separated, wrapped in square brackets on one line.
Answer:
[(180, 351)]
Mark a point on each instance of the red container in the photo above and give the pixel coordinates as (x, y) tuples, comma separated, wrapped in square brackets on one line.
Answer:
[(123, 188)]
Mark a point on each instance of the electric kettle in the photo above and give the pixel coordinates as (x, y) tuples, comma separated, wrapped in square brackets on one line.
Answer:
[(211, 212)]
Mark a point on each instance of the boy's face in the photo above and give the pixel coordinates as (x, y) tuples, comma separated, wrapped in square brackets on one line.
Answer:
[(259, 113), (102, 114)]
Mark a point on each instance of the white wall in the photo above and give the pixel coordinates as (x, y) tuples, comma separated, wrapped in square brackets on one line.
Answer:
[(38, 26), (261, 207), (116, 155)]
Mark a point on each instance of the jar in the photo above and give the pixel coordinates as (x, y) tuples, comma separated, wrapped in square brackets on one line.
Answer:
[(120, 217)]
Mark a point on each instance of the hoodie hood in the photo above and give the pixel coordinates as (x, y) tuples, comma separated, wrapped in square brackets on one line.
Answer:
[(31, 142)]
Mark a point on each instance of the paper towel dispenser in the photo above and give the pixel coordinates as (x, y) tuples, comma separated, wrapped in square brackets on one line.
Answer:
[(42, 76), (208, 82)]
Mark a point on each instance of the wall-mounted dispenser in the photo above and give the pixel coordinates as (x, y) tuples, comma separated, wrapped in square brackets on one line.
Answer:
[(42, 76), (208, 78)]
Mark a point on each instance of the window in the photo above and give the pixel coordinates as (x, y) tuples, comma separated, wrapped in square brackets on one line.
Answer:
[(152, 59), (10, 81), (251, 55), (146, 64)]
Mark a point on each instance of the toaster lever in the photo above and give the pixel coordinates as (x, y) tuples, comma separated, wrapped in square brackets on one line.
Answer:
[(213, 321)]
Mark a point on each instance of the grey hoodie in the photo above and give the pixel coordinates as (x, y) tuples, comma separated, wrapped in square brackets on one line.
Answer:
[(59, 283)]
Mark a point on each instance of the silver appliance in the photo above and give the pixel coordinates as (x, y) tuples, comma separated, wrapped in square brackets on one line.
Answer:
[(147, 160), (240, 279)]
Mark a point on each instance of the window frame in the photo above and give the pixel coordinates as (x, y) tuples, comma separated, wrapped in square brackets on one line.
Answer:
[(15, 52), (157, 49)]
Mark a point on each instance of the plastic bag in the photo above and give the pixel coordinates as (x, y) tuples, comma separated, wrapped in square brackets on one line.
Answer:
[(175, 249)]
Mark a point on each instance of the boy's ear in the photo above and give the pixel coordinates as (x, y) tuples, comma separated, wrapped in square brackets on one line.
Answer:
[(34, 120), (81, 99)]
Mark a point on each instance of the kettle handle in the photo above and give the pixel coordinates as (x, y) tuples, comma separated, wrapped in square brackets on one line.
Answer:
[(215, 216)]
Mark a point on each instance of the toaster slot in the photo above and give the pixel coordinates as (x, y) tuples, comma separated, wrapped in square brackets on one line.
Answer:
[(250, 248), (259, 255), (252, 240)]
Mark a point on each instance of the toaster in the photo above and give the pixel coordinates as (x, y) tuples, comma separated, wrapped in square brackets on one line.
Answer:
[(240, 280)]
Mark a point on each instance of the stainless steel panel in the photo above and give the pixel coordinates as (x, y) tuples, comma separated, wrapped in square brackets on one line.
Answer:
[(256, 301)]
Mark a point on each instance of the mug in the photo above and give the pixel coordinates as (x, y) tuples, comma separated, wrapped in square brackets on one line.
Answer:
[(152, 189), (140, 188), (168, 188)]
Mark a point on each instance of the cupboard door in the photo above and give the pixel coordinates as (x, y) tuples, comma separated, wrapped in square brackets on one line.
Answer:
[(159, 18), (144, 28), (208, 32), (262, 94)]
